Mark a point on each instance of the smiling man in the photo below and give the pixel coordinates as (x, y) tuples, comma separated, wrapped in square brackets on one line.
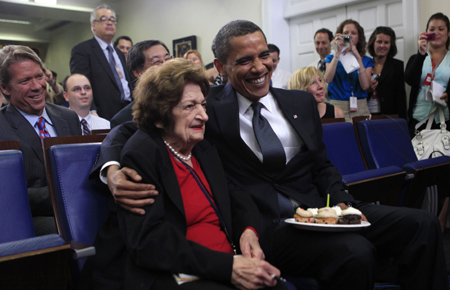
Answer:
[(28, 118), (103, 64), (78, 93)]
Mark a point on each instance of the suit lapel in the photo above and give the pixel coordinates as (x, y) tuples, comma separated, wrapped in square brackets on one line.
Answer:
[(218, 186), (387, 67), (100, 55), (24, 130), (59, 123), (169, 178), (295, 117)]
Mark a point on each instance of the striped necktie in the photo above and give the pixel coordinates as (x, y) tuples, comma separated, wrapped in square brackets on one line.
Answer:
[(86, 130), (43, 133)]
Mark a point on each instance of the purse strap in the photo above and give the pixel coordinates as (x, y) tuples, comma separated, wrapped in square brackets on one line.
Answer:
[(430, 117)]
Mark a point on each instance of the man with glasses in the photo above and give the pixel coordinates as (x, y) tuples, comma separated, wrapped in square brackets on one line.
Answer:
[(103, 65), (141, 56), (78, 93)]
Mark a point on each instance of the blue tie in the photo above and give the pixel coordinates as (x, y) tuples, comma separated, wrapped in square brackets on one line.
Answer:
[(272, 150), (112, 64)]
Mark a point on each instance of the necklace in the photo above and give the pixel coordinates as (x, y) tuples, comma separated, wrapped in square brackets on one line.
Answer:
[(176, 153)]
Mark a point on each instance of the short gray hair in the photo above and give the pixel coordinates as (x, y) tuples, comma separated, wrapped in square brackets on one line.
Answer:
[(221, 43), (102, 6), (11, 54)]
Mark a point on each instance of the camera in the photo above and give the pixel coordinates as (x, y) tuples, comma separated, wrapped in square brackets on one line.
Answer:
[(431, 36), (346, 38)]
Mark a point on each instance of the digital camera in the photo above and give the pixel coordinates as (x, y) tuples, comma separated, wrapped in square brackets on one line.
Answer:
[(346, 38)]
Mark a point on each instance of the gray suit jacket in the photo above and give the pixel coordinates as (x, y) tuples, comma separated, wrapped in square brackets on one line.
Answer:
[(13, 126)]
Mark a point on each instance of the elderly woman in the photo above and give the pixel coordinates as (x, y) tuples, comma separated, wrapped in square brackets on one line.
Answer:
[(343, 87), (310, 79), (194, 222), (387, 93)]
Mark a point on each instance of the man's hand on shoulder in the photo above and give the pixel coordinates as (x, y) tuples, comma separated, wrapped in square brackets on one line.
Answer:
[(127, 191)]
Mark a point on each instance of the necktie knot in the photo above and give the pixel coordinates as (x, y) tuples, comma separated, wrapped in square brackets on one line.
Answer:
[(86, 130), (256, 106), (109, 48)]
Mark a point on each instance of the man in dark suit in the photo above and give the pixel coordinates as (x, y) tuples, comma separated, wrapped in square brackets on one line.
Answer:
[(28, 119), (141, 56), (103, 65), (305, 176)]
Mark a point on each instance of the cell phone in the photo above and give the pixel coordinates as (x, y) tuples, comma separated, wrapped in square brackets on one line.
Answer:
[(431, 36)]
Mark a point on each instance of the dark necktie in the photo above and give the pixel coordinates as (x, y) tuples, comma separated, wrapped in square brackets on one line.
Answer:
[(86, 130), (43, 133), (272, 150), (321, 65), (274, 157), (112, 64)]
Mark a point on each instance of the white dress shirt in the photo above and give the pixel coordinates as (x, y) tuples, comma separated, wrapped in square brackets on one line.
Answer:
[(270, 110), (95, 122), (280, 78), (32, 119)]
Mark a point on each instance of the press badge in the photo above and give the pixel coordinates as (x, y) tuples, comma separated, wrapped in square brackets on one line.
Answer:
[(353, 104), (427, 80)]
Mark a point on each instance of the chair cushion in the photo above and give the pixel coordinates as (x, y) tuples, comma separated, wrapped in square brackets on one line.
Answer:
[(412, 166), (31, 244), (372, 173)]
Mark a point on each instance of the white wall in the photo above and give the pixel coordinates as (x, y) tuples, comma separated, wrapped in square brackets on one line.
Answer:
[(155, 19)]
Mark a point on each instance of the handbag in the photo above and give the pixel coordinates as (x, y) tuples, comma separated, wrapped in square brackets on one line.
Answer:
[(430, 143)]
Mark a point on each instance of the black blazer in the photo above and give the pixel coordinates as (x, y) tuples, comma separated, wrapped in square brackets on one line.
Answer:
[(308, 176), (87, 58), (391, 88), (13, 126), (137, 248)]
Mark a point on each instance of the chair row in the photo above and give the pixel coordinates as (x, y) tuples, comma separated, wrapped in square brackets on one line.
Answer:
[(54, 261), (378, 163)]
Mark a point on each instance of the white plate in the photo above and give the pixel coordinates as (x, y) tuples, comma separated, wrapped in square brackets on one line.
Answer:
[(325, 227)]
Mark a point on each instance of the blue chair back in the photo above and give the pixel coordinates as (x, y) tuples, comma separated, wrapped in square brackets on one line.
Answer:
[(16, 222), (81, 208), (385, 142), (342, 147)]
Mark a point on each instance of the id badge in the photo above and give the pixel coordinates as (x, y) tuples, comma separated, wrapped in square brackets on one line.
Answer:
[(427, 80), (353, 104)]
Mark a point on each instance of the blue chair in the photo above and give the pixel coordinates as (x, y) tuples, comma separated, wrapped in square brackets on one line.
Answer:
[(381, 185), (80, 209), (26, 261), (387, 142)]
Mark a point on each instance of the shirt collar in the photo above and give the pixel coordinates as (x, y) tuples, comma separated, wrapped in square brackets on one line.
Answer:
[(87, 118), (102, 43), (244, 104), (32, 119)]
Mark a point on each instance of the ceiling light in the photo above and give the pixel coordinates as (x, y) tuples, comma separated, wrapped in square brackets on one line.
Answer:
[(15, 21)]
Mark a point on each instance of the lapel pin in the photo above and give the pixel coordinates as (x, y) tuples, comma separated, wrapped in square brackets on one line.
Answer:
[(295, 116)]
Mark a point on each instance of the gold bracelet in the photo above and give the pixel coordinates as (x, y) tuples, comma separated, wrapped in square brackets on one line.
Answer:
[(360, 72)]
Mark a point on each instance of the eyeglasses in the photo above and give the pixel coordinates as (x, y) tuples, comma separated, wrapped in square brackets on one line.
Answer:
[(160, 61), (78, 89), (104, 19)]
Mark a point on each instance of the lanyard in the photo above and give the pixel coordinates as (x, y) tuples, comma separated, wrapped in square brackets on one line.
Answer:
[(208, 196), (435, 66)]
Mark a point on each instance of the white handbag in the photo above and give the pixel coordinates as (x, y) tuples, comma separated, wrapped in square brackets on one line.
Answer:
[(430, 143)]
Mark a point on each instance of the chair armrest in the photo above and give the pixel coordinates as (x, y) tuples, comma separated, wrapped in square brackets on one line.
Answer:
[(81, 250)]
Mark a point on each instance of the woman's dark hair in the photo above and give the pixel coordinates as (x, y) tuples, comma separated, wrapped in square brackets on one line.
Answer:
[(160, 89), (443, 17), (382, 30), (361, 46)]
